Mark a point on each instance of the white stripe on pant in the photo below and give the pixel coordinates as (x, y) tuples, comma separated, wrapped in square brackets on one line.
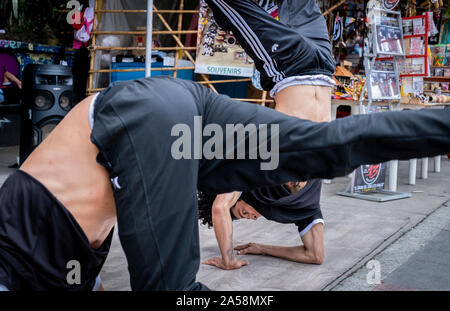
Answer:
[(252, 39)]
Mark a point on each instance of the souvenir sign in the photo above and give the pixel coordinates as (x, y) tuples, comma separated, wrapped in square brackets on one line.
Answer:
[(218, 51)]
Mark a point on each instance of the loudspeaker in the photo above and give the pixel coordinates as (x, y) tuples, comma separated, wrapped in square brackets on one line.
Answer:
[(48, 97)]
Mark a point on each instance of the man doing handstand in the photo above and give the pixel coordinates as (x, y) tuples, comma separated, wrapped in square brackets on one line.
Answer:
[(294, 58)]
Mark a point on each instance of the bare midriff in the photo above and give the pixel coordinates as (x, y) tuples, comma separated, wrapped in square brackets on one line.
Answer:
[(65, 163), (308, 102)]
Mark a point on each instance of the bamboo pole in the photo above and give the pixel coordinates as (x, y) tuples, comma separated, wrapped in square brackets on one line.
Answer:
[(92, 51), (154, 11), (333, 7), (163, 20), (91, 91), (253, 100), (138, 48), (141, 69), (156, 32), (201, 82), (264, 97), (225, 81), (180, 22), (250, 100), (139, 11)]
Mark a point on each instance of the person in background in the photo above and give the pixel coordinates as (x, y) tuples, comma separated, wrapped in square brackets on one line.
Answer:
[(8, 80)]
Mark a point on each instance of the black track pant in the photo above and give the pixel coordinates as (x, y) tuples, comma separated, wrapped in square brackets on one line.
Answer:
[(137, 124), (279, 50)]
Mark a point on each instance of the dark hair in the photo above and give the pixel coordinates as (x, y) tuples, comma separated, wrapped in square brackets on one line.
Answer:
[(205, 203)]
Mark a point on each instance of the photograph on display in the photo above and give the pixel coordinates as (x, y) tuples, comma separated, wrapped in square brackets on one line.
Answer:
[(384, 65), (414, 46), (218, 51), (412, 85), (394, 88), (387, 21), (395, 40), (407, 27), (375, 85), (389, 40), (418, 25), (414, 66), (384, 85)]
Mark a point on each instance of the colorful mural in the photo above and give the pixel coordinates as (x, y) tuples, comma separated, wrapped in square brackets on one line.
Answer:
[(30, 53)]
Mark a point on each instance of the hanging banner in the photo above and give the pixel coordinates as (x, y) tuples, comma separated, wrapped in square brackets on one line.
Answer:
[(218, 52)]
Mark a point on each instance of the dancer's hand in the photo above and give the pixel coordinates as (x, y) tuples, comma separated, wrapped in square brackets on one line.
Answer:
[(220, 263), (249, 248)]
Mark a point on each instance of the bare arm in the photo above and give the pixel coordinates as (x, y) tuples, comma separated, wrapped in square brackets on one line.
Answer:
[(9, 77), (312, 250), (292, 253), (223, 228)]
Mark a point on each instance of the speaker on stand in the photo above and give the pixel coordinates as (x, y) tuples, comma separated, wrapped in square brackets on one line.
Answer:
[(48, 97)]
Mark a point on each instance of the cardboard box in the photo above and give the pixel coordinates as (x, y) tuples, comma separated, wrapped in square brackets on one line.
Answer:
[(139, 41), (446, 72)]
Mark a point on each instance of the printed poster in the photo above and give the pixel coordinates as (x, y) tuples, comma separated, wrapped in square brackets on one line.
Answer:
[(218, 51), (370, 177)]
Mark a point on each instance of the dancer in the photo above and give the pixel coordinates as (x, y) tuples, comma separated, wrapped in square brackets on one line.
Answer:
[(298, 49), (125, 155), (276, 203)]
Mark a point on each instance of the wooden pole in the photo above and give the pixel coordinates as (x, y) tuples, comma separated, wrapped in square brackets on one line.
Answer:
[(163, 20), (92, 51), (145, 11), (225, 81), (333, 7), (264, 97), (142, 69), (138, 48), (253, 100), (180, 23), (155, 32)]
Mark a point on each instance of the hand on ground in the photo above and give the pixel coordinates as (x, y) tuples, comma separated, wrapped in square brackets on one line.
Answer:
[(249, 248), (220, 263)]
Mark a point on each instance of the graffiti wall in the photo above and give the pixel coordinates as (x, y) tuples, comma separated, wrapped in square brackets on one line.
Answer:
[(30, 53)]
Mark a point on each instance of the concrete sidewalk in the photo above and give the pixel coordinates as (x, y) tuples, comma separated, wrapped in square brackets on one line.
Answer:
[(403, 236)]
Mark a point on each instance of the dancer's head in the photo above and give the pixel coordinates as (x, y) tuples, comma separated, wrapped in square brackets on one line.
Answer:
[(239, 210), (244, 210)]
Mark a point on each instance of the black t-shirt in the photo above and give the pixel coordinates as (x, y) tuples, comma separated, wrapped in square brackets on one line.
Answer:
[(278, 204)]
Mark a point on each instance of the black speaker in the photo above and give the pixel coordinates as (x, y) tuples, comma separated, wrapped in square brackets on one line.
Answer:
[(47, 98)]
